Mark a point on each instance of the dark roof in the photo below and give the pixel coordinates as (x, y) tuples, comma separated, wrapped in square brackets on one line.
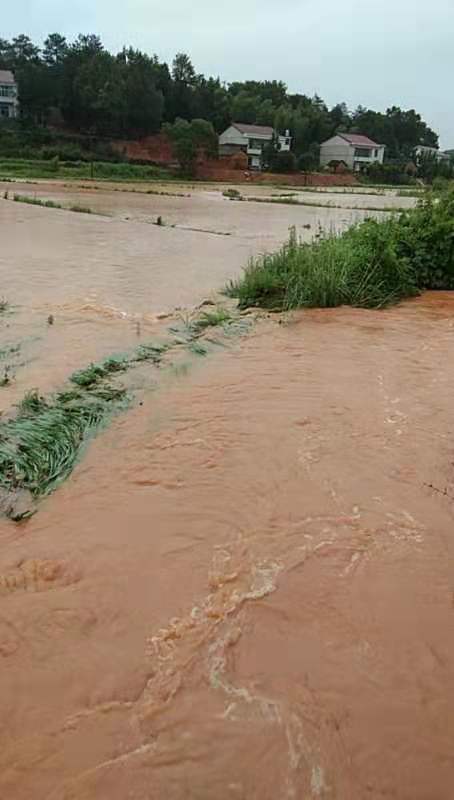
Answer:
[(6, 76), (359, 139), (263, 130)]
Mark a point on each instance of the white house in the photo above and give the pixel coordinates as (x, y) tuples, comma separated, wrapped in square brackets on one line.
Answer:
[(422, 151), (9, 103), (250, 139), (355, 150)]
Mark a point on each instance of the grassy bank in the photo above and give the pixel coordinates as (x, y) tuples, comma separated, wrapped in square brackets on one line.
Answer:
[(100, 170), (372, 264)]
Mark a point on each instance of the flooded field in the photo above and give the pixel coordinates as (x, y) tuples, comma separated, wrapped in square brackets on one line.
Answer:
[(244, 590)]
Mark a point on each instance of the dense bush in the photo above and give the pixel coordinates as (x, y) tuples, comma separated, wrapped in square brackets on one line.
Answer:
[(425, 241), (395, 174), (283, 162), (19, 139), (372, 264)]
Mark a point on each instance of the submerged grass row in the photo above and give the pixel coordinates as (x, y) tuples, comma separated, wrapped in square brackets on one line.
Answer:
[(37, 201), (40, 444)]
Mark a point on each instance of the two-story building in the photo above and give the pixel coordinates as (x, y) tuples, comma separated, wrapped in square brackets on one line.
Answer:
[(9, 103), (250, 139), (353, 149), (422, 151)]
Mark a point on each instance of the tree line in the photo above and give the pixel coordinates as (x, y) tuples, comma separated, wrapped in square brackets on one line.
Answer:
[(131, 94)]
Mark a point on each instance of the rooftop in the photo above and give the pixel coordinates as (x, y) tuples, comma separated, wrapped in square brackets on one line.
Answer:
[(6, 76), (255, 130), (359, 139)]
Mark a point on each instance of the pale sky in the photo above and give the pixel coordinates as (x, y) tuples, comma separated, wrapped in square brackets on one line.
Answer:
[(374, 52)]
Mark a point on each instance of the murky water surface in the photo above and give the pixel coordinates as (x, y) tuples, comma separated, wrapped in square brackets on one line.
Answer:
[(245, 589)]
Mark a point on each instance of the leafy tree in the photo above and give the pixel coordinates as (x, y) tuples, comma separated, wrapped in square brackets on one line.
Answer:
[(265, 113), (283, 162), (309, 160), (55, 50), (99, 93), (283, 118), (270, 152), (23, 51), (183, 70), (6, 55), (188, 138), (244, 107), (131, 93), (144, 103)]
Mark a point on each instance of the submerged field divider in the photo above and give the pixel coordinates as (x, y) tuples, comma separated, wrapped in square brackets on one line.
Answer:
[(42, 439)]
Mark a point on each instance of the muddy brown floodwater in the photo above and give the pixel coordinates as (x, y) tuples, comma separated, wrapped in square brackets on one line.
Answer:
[(245, 589)]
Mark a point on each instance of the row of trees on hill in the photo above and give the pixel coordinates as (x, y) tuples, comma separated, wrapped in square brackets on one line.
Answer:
[(131, 94)]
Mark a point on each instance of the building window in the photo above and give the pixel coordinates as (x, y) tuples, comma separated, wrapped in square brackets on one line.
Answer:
[(375, 153), (362, 152), (255, 144), (287, 142), (7, 91), (4, 109)]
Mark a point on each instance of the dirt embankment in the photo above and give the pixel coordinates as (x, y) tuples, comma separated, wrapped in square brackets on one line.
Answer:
[(158, 150)]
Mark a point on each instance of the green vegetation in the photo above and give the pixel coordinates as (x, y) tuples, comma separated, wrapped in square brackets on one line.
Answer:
[(4, 305), (409, 193), (151, 352), (36, 201), (98, 170), (210, 319), (287, 201), (9, 350), (232, 194), (372, 264), (290, 200), (94, 373), (66, 82), (40, 444), (188, 139), (80, 209)]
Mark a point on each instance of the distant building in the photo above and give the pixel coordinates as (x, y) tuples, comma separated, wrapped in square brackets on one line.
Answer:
[(422, 151), (250, 139), (9, 103), (353, 149)]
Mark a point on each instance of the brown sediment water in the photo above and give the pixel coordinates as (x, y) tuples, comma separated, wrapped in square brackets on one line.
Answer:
[(245, 590)]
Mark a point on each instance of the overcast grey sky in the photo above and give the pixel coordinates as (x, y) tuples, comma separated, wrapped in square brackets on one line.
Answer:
[(374, 52)]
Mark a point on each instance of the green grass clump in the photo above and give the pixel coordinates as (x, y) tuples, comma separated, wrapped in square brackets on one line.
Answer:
[(232, 194), (358, 268), (4, 305), (151, 352), (94, 373), (372, 264), (39, 447), (9, 350), (80, 209), (197, 348), (286, 200), (219, 316), (32, 403), (35, 201)]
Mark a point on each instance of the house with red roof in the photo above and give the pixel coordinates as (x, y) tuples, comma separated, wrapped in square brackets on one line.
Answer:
[(250, 139), (353, 149)]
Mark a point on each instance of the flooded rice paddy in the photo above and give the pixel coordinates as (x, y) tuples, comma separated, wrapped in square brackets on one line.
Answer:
[(244, 590)]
